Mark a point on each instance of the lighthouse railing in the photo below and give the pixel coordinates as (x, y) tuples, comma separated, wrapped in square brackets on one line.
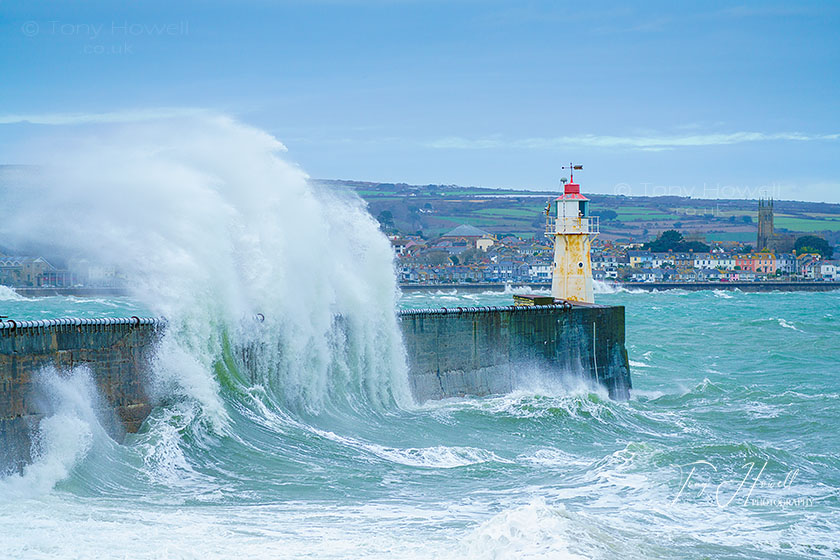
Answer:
[(575, 225)]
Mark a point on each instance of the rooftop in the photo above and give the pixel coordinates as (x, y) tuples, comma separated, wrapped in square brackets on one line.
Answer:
[(466, 230)]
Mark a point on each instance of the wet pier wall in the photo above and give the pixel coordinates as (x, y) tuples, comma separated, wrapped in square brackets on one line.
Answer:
[(451, 352), (117, 351), (481, 351)]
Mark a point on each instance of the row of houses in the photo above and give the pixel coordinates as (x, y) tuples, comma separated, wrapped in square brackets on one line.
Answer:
[(504, 271), (540, 272), (769, 263), (21, 271), (38, 272), (473, 255), (726, 266)]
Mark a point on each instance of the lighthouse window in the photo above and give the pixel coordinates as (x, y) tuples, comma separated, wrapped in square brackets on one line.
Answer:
[(580, 265)]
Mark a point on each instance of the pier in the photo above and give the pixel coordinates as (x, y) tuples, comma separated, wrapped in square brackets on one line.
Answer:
[(457, 352)]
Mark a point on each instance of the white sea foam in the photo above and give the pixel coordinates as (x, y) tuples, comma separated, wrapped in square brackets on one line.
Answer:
[(601, 287), (439, 456), (539, 398), (8, 294), (64, 436), (762, 410), (552, 458), (785, 324), (530, 531), (642, 393)]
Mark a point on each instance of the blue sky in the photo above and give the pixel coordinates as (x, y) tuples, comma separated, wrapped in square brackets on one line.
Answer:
[(689, 98)]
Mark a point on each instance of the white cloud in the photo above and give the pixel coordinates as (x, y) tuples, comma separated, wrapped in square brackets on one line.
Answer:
[(648, 143), (139, 115)]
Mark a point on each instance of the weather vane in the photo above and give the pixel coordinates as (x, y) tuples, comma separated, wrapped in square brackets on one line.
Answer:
[(571, 169)]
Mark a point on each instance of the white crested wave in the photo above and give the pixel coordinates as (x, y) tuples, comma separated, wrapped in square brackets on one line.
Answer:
[(552, 458), (64, 436), (535, 530), (439, 456), (638, 364), (8, 294), (785, 324), (601, 287)]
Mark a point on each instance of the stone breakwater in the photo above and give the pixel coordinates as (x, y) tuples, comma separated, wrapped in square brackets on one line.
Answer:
[(464, 351)]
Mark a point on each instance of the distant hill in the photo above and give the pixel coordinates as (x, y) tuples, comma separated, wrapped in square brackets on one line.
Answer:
[(434, 209)]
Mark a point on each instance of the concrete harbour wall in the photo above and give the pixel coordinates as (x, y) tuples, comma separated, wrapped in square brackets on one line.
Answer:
[(481, 351), (451, 352)]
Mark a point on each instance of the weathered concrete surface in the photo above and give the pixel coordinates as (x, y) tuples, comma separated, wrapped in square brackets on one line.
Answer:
[(116, 351), (482, 351), (451, 352)]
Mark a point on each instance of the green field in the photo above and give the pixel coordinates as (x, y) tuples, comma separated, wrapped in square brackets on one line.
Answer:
[(477, 192), (526, 212), (505, 212), (740, 236), (805, 224), (478, 221), (642, 214), (369, 193)]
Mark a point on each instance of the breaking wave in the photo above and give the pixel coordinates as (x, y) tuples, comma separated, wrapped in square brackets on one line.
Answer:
[(8, 294), (213, 228)]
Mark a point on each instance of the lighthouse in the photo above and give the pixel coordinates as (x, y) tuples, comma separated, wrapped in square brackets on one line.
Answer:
[(572, 230)]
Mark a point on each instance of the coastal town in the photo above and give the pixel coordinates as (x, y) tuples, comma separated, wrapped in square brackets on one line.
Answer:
[(468, 254)]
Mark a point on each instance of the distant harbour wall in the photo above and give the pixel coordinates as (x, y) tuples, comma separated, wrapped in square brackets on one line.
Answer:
[(742, 286), (468, 351), (78, 291), (804, 286)]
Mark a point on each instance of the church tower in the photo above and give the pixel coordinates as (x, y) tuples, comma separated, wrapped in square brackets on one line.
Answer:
[(765, 225)]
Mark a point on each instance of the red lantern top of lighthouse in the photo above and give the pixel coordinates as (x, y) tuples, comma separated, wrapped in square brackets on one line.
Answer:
[(572, 189)]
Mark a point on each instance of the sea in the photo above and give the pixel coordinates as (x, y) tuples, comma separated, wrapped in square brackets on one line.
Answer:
[(313, 447), (727, 448)]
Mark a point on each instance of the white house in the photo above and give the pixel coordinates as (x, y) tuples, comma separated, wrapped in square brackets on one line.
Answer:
[(830, 270)]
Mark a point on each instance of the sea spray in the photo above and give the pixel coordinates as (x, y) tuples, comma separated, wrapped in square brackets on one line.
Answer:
[(65, 434), (211, 228), (8, 294)]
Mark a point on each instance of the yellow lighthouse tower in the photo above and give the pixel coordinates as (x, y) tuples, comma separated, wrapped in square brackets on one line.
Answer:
[(572, 231)]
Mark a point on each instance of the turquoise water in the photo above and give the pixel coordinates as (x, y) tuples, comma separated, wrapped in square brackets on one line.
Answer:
[(22, 308), (743, 388)]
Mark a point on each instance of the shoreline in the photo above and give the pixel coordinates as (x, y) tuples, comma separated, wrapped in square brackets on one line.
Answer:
[(502, 287), (647, 286)]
